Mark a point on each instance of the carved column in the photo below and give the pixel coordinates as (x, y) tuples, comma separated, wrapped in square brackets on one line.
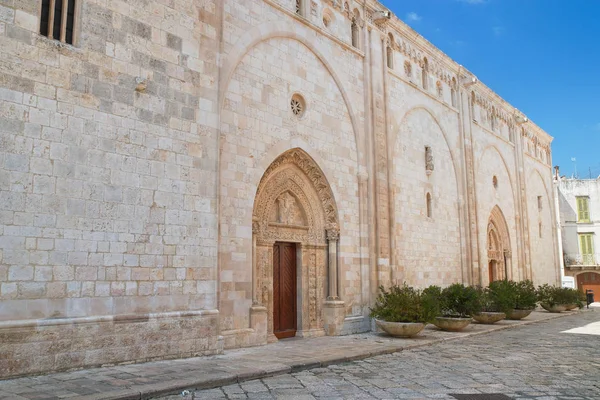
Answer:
[(333, 235), (334, 311), (508, 262), (264, 251), (255, 230), (258, 311)]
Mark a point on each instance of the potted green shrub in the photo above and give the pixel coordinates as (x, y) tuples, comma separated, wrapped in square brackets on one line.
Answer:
[(524, 301), (495, 301), (552, 299), (456, 304), (403, 311), (576, 298)]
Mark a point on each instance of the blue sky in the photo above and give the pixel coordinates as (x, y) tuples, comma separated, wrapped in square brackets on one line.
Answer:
[(542, 56)]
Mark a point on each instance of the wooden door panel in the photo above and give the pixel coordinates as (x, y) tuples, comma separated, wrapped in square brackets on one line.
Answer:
[(284, 290), (288, 289), (276, 286)]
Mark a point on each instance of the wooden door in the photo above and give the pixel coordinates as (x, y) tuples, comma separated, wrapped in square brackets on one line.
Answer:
[(284, 290)]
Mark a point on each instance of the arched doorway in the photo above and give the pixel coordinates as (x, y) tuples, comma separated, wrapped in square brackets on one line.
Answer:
[(589, 281), (295, 235), (498, 247)]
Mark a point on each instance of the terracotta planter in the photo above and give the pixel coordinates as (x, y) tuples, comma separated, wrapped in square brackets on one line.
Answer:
[(516, 315), (555, 308), (485, 317), (451, 324), (400, 329)]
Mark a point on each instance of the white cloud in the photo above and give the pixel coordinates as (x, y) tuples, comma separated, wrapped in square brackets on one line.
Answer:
[(413, 16)]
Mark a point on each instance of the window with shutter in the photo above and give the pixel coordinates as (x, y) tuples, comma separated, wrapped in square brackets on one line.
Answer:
[(583, 211), (586, 242)]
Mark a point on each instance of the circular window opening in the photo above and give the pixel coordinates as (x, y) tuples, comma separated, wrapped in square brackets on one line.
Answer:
[(495, 182), (298, 105)]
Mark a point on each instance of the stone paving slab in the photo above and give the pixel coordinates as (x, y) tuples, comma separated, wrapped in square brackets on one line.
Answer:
[(143, 381), (546, 361)]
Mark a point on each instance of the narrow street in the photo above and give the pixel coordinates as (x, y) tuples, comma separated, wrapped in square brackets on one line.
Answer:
[(539, 361)]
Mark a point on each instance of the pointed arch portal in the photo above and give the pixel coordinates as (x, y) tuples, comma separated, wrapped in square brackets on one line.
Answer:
[(498, 249), (295, 231)]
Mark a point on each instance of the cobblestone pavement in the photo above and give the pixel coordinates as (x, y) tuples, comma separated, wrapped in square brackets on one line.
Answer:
[(533, 362)]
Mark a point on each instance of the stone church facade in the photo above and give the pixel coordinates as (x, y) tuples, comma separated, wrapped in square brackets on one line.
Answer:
[(182, 177)]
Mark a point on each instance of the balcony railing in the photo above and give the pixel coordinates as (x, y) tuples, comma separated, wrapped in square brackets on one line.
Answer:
[(582, 259)]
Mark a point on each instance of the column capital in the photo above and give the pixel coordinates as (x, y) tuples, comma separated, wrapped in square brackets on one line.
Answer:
[(333, 234)]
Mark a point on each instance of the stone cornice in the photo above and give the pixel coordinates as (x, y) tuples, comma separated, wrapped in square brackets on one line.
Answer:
[(444, 67)]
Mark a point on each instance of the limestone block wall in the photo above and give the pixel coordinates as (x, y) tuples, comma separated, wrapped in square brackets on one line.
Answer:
[(428, 248), (106, 148), (542, 221), (130, 163), (267, 64)]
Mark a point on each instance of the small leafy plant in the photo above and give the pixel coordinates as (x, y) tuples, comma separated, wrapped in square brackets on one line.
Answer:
[(524, 295), (499, 296), (455, 301), (403, 304), (575, 296), (553, 295)]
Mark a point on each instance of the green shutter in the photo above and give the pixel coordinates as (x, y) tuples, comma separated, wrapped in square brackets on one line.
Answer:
[(587, 248), (583, 211), (590, 244)]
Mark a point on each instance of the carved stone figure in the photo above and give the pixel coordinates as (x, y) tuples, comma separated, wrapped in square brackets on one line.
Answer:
[(288, 209), (428, 160)]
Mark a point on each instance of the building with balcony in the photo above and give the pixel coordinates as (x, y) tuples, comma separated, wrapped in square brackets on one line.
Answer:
[(579, 209)]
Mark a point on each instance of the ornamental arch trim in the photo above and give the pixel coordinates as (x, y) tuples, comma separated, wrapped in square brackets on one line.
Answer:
[(270, 30)]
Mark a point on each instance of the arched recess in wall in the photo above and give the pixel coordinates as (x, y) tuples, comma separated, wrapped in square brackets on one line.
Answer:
[(437, 122), (489, 153), (538, 216), (536, 173), (415, 134), (481, 160), (499, 254), (281, 29)]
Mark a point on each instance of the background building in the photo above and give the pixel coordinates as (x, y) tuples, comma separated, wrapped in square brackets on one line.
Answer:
[(187, 176), (579, 206)]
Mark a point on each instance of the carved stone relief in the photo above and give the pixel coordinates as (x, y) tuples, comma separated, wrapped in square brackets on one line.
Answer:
[(288, 212), (428, 160)]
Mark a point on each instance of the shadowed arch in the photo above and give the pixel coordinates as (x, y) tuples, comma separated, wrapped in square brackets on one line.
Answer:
[(539, 175), (498, 245), (272, 30), (510, 178), (437, 122)]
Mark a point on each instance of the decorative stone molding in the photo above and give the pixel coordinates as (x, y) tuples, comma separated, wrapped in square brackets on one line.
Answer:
[(307, 165), (498, 246), (333, 233), (294, 203)]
